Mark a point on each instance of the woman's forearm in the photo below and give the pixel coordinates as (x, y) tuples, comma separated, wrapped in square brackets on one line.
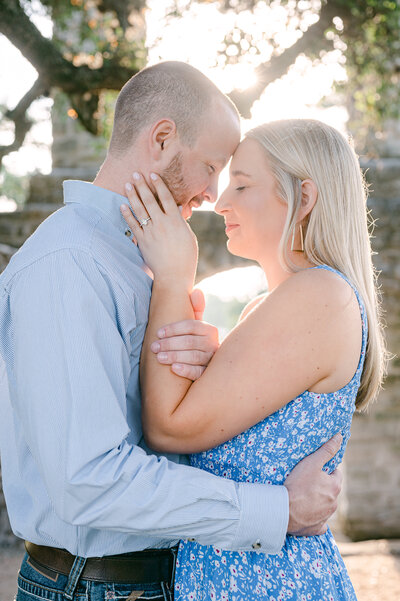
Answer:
[(162, 390)]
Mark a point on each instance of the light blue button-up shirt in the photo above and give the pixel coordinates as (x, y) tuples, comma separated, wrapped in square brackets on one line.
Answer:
[(76, 472)]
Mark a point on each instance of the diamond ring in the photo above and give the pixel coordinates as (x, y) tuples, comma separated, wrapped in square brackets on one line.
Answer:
[(144, 222)]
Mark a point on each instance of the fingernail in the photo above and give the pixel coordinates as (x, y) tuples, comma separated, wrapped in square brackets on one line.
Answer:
[(136, 175), (153, 176), (178, 367), (338, 437), (128, 187), (124, 208), (161, 333), (162, 356), (155, 347)]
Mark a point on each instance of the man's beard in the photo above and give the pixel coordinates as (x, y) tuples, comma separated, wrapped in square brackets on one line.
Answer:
[(175, 180)]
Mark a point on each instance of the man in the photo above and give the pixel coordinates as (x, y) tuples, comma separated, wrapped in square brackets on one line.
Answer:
[(78, 479)]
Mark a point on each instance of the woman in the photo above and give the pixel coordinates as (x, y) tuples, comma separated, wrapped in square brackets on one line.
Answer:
[(301, 359)]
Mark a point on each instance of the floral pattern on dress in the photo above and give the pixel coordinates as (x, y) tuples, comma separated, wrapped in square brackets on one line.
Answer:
[(307, 568)]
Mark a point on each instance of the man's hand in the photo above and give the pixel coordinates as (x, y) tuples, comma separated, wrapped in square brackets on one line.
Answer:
[(188, 346), (312, 492)]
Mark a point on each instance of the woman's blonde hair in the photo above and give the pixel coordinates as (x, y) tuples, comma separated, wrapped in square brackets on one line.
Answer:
[(337, 232)]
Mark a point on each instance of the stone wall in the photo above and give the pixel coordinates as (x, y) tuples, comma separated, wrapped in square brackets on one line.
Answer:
[(370, 506), (6, 252)]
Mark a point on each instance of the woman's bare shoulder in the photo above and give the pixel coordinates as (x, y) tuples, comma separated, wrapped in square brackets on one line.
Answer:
[(307, 297), (317, 286)]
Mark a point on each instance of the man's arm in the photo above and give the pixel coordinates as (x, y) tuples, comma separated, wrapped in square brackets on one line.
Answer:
[(72, 368)]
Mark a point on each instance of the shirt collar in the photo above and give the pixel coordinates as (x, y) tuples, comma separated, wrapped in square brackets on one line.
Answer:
[(100, 199)]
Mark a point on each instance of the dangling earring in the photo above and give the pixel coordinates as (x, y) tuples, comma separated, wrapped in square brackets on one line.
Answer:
[(301, 249), (301, 239)]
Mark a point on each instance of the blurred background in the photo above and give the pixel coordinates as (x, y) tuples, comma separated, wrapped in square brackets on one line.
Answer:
[(62, 63)]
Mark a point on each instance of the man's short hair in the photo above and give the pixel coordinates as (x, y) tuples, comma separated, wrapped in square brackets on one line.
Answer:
[(172, 90)]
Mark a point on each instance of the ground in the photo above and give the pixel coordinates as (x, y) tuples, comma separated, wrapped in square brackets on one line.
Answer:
[(374, 568)]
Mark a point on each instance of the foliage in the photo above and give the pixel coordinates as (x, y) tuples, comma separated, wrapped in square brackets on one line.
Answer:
[(92, 31), (367, 32), (373, 66), (224, 314), (98, 44), (14, 186)]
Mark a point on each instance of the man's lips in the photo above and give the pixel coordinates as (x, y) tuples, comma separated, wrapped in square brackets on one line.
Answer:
[(188, 208), (186, 211)]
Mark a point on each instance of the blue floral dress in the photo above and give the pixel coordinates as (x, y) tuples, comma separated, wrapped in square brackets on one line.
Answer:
[(307, 568)]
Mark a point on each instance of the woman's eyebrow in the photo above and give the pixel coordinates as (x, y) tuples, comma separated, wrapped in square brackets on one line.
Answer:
[(237, 172)]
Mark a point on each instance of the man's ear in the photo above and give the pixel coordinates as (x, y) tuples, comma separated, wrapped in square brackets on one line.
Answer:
[(161, 135), (309, 195)]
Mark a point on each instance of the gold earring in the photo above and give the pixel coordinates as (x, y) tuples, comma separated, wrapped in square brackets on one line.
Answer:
[(301, 249)]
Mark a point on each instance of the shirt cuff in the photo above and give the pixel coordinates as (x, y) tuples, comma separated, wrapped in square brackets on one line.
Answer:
[(264, 518)]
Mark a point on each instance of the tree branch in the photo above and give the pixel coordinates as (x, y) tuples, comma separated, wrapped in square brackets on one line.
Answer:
[(54, 71), (312, 40), (19, 117), (53, 68), (38, 50)]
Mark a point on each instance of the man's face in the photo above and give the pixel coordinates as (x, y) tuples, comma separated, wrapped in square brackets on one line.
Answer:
[(192, 174)]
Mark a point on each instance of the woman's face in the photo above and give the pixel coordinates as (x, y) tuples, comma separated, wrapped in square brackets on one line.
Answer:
[(254, 214)]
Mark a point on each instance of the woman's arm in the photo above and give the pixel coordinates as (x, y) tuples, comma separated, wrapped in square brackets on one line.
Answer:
[(271, 357), (289, 343)]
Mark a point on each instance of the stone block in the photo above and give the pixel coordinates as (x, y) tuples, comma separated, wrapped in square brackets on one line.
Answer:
[(48, 189), (384, 176)]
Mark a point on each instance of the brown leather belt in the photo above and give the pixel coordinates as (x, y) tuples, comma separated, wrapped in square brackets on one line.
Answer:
[(151, 565)]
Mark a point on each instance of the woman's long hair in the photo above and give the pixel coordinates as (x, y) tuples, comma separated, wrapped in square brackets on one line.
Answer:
[(337, 231)]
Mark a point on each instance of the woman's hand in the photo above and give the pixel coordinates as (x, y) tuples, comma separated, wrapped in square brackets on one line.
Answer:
[(168, 245)]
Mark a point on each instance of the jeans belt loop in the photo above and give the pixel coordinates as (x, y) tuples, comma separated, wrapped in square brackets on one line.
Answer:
[(174, 551), (73, 578)]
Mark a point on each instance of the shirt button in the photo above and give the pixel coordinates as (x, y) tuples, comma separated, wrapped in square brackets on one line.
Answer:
[(128, 233), (257, 544)]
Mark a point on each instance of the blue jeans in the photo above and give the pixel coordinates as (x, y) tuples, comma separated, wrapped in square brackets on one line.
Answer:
[(34, 585)]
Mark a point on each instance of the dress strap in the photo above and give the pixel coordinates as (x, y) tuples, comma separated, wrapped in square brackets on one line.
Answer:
[(362, 311)]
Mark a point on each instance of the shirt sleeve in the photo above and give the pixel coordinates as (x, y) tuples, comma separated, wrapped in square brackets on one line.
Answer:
[(72, 369)]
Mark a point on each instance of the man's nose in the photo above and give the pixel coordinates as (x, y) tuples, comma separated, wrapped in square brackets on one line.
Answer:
[(211, 193)]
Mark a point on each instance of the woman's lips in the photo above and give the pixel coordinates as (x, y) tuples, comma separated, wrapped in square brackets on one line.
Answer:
[(230, 226)]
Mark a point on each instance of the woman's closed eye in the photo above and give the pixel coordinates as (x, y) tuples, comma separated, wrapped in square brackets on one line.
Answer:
[(240, 188)]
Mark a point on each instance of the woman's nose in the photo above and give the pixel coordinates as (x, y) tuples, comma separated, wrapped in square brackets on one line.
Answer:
[(222, 203)]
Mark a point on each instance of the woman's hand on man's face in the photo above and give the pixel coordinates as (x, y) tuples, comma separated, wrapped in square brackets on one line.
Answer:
[(168, 245)]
